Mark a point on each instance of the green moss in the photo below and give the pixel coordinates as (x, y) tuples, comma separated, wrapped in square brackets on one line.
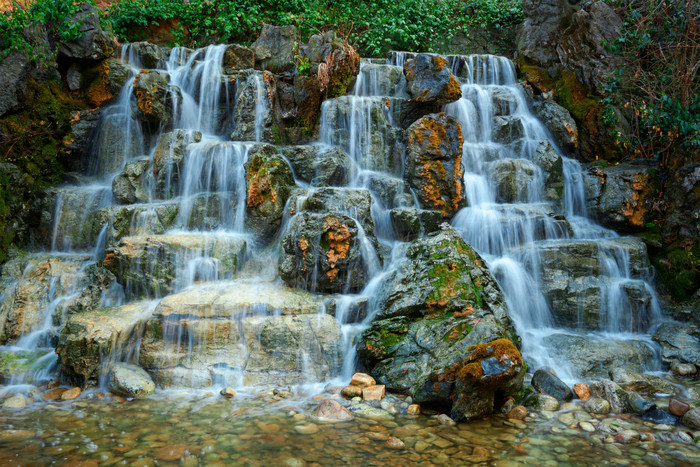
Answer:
[(679, 270)]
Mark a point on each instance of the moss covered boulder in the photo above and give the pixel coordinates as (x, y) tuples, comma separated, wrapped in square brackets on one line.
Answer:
[(269, 180), (433, 165), (440, 302), (155, 97)]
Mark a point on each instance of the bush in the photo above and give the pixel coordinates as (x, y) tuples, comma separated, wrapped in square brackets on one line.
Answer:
[(658, 86)]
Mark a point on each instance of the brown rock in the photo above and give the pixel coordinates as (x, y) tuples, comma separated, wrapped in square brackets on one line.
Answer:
[(332, 410), (582, 391), (518, 413), (228, 391), (351, 391), (414, 409), (53, 384), (362, 380), (53, 394), (373, 393), (678, 408), (394, 443), (377, 436), (70, 394), (172, 452)]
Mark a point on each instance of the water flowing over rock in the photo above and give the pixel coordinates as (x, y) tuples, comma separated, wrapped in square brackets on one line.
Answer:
[(252, 115), (168, 160), (434, 163), (268, 180)]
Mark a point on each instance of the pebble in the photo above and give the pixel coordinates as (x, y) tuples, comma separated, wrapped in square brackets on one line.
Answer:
[(684, 369), (70, 394), (307, 429), (394, 443), (585, 426), (172, 452), (413, 409), (373, 393), (228, 391), (17, 401), (518, 413), (362, 380), (627, 437), (53, 394), (678, 408), (445, 420), (597, 405), (582, 391)]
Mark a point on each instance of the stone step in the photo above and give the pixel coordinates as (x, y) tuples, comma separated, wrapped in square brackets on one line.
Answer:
[(157, 265), (505, 227)]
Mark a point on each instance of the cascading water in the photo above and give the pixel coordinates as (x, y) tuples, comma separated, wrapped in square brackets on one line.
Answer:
[(201, 317)]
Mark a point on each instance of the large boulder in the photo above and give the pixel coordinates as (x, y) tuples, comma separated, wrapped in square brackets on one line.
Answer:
[(552, 165), (325, 252), (433, 165), (437, 304), (539, 32), (275, 47), (237, 58), (429, 80), (145, 55), (318, 165), (546, 382), (131, 186), (241, 332), (168, 159), (593, 358), (90, 340), (354, 202), (28, 287), (268, 185), (514, 180)]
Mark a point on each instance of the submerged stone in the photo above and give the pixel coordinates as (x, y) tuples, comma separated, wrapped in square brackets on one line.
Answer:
[(130, 380)]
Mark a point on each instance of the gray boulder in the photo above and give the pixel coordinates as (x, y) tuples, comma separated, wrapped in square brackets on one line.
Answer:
[(513, 179), (237, 58), (617, 397), (274, 48), (168, 159), (552, 165), (429, 80), (354, 202), (146, 55), (678, 342), (410, 223), (131, 381), (93, 43), (131, 186), (559, 122), (319, 166), (252, 116)]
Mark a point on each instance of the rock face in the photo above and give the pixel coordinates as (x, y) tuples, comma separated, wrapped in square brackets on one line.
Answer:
[(237, 58), (514, 179), (433, 164), (130, 186), (319, 166), (560, 123), (94, 43), (168, 159), (325, 252), (268, 181), (274, 48), (90, 340), (678, 342), (354, 202), (29, 285), (333, 62), (252, 116), (155, 96), (151, 266), (552, 165), (621, 197), (437, 305), (130, 381), (429, 80)]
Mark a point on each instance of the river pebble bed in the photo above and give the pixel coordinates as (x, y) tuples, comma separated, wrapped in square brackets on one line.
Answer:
[(267, 428)]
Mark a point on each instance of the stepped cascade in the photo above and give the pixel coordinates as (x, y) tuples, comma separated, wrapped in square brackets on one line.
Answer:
[(211, 256)]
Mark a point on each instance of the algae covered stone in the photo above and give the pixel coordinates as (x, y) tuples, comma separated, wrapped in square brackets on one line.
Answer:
[(130, 380)]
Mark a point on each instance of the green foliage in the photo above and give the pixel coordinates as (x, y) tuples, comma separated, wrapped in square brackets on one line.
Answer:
[(658, 86), (52, 14), (374, 27)]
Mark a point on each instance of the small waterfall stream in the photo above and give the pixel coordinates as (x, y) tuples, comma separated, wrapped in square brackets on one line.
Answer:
[(218, 298)]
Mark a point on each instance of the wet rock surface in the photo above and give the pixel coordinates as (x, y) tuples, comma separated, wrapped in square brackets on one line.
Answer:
[(429, 80)]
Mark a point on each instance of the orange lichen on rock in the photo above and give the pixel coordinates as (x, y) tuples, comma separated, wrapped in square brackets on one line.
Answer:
[(338, 236), (259, 186), (304, 245), (98, 93), (143, 100), (634, 209)]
